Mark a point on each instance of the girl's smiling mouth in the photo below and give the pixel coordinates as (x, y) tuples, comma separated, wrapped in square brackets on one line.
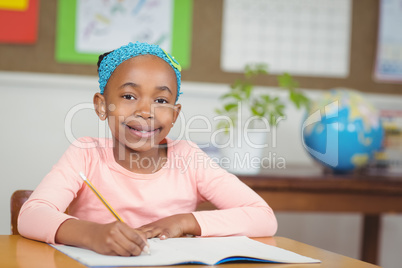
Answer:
[(142, 131)]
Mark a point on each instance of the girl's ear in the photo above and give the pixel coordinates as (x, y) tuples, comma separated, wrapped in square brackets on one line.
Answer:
[(100, 106), (177, 109)]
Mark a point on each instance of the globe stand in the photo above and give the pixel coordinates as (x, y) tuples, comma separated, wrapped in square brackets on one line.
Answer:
[(337, 173)]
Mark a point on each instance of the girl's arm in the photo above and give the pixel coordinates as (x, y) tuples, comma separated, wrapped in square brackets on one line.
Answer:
[(42, 217), (241, 211), (245, 214), (43, 213)]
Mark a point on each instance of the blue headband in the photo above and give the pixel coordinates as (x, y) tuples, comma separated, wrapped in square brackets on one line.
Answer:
[(117, 56)]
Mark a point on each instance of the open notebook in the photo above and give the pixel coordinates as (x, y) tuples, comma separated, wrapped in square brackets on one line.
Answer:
[(201, 250)]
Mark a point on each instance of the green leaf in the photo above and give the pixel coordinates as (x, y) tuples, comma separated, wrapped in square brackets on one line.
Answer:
[(286, 81), (218, 111), (236, 84), (237, 96), (248, 71), (298, 99), (247, 90), (257, 112), (230, 106), (253, 70), (279, 110), (225, 96), (262, 68), (223, 124), (266, 98), (294, 98), (254, 111)]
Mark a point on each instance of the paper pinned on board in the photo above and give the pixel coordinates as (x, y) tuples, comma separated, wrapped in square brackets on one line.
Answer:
[(106, 25), (20, 26), (302, 37), (16, 5), (388, 65)]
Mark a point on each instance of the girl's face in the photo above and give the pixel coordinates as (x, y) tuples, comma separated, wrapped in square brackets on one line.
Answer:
[(139, 102)]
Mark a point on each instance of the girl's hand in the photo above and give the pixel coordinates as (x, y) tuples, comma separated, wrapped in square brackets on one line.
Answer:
[(118, 238), (172, 226), (115, 238)]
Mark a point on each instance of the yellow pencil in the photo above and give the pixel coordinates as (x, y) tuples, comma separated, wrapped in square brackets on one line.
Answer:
[(100, 197), (146, 248)]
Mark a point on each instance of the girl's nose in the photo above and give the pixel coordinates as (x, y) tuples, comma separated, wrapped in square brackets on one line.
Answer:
[(144, 110)]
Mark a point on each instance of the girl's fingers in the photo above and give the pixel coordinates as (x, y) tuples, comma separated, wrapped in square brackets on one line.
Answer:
[(144, 242), (163, 236), (158, 232), (128, 245), (125, 241), (150, 232), (122, 249), (153, 233)]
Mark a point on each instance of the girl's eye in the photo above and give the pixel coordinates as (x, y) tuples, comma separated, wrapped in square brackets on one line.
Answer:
[(161, 101), (128, 97)]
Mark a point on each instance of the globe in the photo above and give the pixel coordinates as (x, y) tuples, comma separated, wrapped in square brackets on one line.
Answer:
[(342, 130)]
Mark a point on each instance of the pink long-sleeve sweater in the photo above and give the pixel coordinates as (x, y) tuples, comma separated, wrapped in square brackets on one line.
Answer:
[(188, 178)]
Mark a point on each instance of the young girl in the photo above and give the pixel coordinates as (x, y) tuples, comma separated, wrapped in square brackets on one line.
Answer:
[(154, 183)]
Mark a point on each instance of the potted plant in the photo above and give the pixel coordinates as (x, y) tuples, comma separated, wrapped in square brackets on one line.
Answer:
[(246, 115)]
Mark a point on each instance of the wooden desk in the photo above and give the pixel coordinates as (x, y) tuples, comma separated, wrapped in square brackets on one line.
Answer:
[(302, 192), (16, 251)]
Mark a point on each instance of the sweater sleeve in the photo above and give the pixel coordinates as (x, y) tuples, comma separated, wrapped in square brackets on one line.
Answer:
[(241, 211), (43, 213)]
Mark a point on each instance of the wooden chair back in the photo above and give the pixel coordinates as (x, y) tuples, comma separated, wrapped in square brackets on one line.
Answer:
[(17, 200)]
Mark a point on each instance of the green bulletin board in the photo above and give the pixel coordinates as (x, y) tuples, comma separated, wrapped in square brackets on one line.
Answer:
[(66, 32)]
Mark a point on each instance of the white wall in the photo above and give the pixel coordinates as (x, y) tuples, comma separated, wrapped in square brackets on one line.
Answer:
[(34, 108)]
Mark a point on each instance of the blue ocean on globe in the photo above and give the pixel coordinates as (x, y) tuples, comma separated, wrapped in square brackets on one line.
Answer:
[(342, 130)]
